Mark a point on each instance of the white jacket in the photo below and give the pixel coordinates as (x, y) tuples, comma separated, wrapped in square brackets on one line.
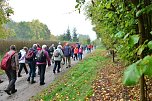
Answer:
[(23, 53)]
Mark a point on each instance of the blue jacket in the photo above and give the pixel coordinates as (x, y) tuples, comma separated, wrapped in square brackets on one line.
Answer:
[(67, 51)]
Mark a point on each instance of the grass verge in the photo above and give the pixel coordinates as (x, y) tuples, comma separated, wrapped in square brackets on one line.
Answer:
[(1, 56), (76, 84)]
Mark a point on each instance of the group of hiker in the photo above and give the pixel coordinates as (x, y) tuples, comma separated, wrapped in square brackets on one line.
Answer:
[(37, 57)]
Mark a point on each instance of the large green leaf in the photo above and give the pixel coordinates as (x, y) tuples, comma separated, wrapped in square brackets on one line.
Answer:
[(119, 34), (131, 75), (133, 39), (140, 50), (146, 64), (150, 44)]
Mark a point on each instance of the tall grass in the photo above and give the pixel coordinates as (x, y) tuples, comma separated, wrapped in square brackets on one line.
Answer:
[(76, 84), (5, 44)]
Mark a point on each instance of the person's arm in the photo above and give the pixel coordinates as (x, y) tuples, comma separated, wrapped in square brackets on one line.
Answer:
[(16, 61), (48, 58)]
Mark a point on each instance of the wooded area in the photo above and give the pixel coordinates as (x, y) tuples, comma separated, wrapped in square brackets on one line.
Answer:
[(125, 26)]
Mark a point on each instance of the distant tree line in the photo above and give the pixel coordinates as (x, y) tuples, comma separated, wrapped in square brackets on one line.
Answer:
[(73, 36), (34, 30)]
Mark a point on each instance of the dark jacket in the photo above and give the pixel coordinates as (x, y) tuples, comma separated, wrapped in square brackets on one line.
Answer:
[(47, 59), (67, 51)]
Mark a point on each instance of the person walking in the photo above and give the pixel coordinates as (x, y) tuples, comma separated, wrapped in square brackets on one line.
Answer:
[(67, 55), (51, 50), (12, 70), (30, 57), (22, 61), (80, 52), (57, 58), (38, 49), (42, 60), (76, 53)]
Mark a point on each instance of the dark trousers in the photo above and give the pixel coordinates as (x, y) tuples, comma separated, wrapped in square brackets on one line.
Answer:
[(58, 65), (75, 56), (32, 66), (11, 74), (42, 68), (21, 66)]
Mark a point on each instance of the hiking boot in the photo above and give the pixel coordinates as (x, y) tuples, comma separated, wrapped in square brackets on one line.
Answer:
[(8, 92), (14, 91), (58, 71), (1, 81), (28, 79), (42, 83), (69, 66), (19, 75), (54, 72), (33, 81)]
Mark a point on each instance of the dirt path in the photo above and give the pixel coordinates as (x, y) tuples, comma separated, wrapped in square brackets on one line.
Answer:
[(26, 90)]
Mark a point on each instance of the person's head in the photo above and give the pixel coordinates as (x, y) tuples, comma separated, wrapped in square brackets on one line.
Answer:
[(67, 44), (44, 47), (34, 46), (12, 47), (38, 45), (52, 45), (59, 46), (25, 48)]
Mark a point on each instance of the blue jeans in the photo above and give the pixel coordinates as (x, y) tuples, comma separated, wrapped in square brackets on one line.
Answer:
[(80, 56), (42, 68), (32, 66)]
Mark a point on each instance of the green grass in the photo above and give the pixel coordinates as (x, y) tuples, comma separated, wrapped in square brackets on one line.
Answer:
[(76, 84)]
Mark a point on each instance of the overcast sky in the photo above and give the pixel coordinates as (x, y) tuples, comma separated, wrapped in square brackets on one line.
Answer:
[(56, 14)]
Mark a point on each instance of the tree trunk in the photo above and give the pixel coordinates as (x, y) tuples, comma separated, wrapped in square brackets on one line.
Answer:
[(142, 89), (142, 39)]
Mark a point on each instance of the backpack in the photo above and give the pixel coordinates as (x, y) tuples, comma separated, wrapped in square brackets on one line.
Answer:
[(19, 55), (6, 61), (80, 50), (30, 55), (56, 53), (51, 50), (67, 51), (40, 56)]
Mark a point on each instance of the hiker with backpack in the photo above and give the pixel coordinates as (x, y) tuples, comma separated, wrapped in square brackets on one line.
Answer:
[(80, 52), (10, 64), (30, 58), (22, 54), (57, 58), (51, 50), (42, 59), (67, 55), (38, 49)]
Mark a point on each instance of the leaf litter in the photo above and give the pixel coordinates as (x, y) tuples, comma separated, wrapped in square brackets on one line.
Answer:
[(108, 84)]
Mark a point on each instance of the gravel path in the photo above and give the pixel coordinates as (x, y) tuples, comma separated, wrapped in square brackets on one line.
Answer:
[(26, 90)]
